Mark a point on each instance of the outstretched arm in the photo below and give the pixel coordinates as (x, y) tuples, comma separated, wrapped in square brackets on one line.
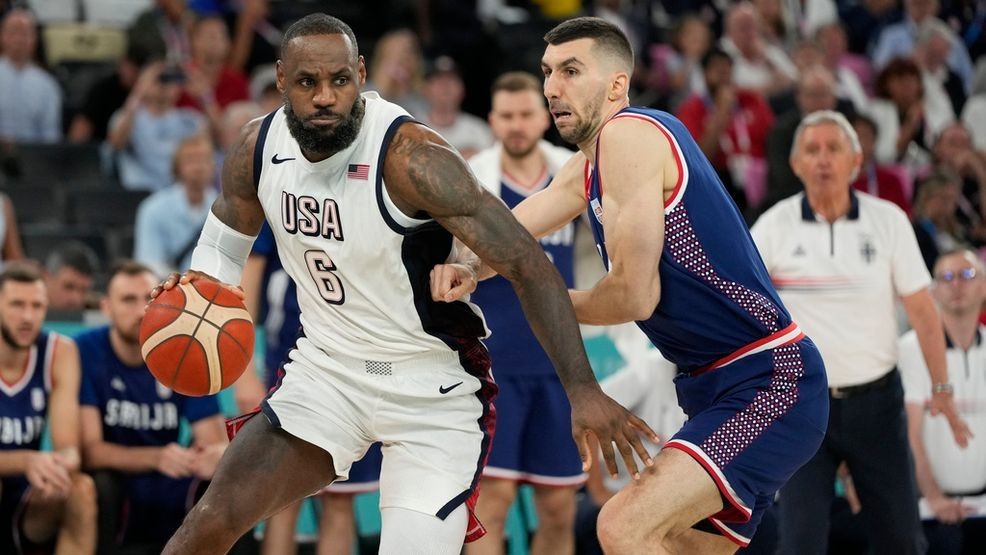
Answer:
[(633, 179), (423, 172), (543, 213)]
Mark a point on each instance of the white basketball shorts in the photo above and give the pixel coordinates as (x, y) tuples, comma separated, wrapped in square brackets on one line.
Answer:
[(432, 413)]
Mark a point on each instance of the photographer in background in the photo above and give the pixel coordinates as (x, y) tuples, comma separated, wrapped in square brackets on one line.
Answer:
[(146, 131)]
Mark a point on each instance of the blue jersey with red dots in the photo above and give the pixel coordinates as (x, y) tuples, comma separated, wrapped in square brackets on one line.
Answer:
[(717, 301)]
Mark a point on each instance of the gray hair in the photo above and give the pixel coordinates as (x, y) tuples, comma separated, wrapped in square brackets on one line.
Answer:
[(827, 116), (933, 27)]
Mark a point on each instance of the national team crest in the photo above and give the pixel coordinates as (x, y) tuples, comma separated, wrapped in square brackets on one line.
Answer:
[(162, 391), (37, 399), (597, 209)]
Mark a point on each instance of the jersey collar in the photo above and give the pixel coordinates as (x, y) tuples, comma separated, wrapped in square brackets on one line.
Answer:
[(808, 215), (950, 345)]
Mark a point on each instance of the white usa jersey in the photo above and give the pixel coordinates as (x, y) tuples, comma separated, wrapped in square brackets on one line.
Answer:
[(361, 265)]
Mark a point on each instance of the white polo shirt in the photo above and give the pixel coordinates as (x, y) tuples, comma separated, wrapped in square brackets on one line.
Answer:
[(956, 470), (840, 281)]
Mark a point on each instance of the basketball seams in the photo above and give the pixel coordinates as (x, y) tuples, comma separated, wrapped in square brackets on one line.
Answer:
[(229, 325), (188, 300), (222, 331), (228, 314)]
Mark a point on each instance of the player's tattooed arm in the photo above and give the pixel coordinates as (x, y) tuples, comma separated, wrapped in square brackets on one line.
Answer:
[(423, 172), (237, 205)]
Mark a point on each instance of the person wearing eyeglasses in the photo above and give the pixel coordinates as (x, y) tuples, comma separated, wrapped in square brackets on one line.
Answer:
[(952, 480), (840, 260)]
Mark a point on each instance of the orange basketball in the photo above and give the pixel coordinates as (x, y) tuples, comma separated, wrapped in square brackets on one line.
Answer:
[(197, 338)]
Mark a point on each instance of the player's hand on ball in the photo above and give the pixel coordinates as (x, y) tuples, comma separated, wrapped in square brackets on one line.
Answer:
[(174, 461), (182, 353), (593, 412), (451, 282), (174, 278)]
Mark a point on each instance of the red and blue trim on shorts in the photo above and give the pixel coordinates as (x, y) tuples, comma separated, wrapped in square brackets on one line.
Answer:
[(475, 360), (750, 451)]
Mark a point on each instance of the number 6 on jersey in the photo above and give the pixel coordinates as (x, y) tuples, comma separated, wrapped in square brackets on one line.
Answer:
[(329, 285)]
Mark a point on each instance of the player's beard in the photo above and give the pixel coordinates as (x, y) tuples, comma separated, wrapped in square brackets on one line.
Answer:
[(523, 152), (327, 141), (10, 340), (129, 336), (583, 129)]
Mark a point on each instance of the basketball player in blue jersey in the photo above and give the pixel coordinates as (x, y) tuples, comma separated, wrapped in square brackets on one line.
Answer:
[(532, 444), (681, 264), (46, 505), (363, 203), (272, 298), (130, 426)]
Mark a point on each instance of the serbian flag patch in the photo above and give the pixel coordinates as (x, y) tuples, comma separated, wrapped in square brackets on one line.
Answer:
[(358, 171)]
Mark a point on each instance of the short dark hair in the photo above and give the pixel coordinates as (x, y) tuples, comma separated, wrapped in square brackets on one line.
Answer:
[(19, 271), (516, 81), (609, 37), (128, 267), (865, 120), (73, 254), (897, 67), (318, 24), (714, 54)]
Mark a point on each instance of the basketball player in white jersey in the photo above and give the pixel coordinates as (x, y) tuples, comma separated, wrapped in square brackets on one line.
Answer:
[(363, 203)]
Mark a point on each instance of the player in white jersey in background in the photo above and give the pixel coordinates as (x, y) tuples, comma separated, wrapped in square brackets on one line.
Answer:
[(363, 205)]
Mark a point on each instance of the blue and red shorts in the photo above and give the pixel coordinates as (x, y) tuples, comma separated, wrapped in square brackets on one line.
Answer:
[(751, 424)]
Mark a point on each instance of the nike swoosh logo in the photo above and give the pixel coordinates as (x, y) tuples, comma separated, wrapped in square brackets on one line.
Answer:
[(443, 390), (275, 160)]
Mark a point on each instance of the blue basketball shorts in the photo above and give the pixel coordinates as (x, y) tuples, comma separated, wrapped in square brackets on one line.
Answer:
[(533, 442), (751, 424)]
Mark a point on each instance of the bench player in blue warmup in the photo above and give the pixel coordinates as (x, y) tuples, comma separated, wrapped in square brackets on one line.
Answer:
[(682, 265)]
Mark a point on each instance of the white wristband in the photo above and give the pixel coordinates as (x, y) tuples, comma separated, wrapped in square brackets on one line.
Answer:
[(221, 251)]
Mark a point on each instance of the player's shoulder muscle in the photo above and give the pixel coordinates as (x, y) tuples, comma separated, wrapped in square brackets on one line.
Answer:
[(238, 164)]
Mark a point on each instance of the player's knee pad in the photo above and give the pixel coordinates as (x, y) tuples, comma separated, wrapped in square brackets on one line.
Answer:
[(413, 533)]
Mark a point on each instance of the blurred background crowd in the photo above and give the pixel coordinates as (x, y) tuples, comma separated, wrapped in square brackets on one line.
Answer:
[(115, 114)]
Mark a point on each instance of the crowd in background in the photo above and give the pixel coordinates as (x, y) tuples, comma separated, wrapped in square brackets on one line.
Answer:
[(162, 88)]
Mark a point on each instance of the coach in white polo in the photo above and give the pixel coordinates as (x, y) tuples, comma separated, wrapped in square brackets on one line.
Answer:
[(952, 481), (839, 260)]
